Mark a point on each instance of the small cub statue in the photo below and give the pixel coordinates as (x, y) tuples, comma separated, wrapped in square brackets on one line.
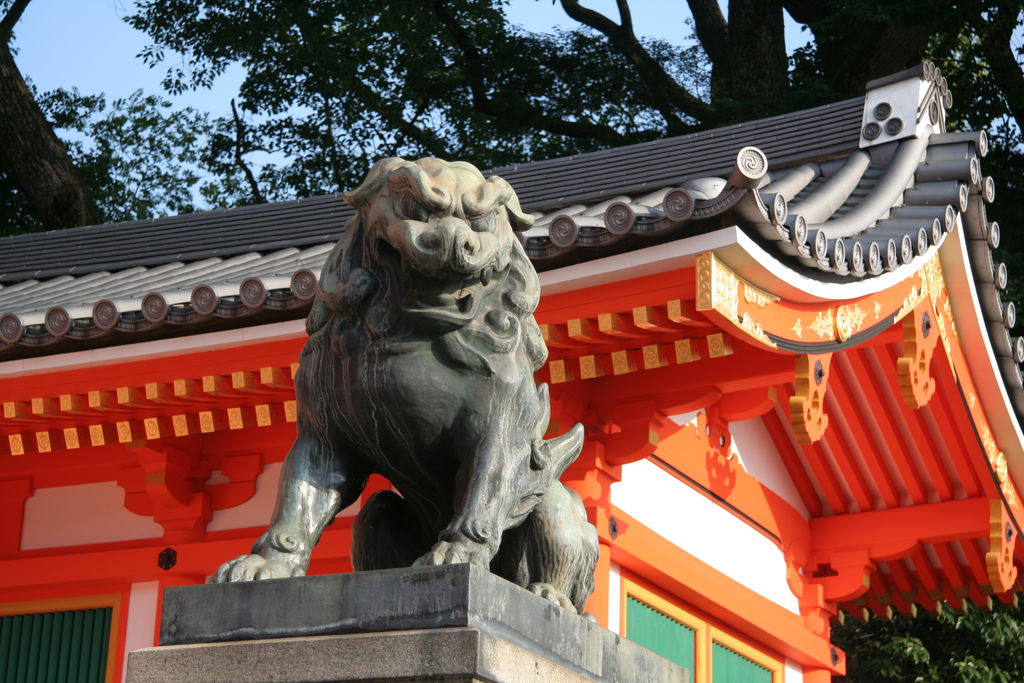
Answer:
[(419, 366)]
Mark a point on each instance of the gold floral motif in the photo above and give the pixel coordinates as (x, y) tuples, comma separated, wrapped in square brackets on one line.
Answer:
[(999, 467), (718, 290), (878, 309), (948, 308), (1010, 493), (931, 277), (910, 302), (798, 329), (971, 399), (758, 297), (748, 325), (989, 442), (849, 319), (823, 324)]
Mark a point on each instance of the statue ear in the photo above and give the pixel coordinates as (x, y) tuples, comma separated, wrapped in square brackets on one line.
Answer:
[(361, 197), (498, 191)]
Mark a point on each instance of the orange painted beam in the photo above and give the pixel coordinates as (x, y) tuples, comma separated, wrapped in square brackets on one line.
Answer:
[(649, 290), (881, 361), (856, 436), (898, 532), (870, 397), (827, 481), (674, 570), (138, 563)]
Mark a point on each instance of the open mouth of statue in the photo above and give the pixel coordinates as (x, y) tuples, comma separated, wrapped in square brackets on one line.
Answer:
[(441, 290)]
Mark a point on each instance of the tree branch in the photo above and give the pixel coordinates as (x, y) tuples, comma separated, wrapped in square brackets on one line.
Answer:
[(663, 92), (1002, 61), (515, 111), (712, 31), (239, 144), (11, 18), (625, 16), (808, 11)]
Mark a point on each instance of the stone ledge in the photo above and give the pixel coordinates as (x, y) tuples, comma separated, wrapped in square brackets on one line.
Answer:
[(418, 600), (451, 654)]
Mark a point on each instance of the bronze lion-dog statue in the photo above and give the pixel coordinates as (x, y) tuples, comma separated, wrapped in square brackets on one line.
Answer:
[(419, 366)]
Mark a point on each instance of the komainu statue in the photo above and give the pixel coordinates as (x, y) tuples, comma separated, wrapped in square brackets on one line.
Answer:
[(419, 366)]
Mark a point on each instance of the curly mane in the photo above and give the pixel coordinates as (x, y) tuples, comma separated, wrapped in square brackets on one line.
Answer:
[(363, 282)]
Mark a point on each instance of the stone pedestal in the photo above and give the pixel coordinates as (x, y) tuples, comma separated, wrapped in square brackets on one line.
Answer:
[(456, 623)]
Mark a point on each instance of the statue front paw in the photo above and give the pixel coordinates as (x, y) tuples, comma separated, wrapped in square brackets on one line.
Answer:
[(455, 552), (552, 594), (255, 567)]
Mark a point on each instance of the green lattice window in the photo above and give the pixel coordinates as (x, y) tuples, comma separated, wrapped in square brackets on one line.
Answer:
[(55, 647), (659, 633), (728, 666)]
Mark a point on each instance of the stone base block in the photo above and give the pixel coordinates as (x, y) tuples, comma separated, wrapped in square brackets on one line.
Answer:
[(449, 654), (456, 622)]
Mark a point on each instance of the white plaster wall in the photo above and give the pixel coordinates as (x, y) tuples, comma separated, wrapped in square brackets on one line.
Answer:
[(702, 528), (142, 619), (80, 514), (756, 451), (759, 457), (793, 673), (615, 600), (254, 512), (257, 510)]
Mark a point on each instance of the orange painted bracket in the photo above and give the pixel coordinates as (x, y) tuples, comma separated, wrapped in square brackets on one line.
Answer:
[(1002, 573), (920, 335), (845, 548), (807, 406)]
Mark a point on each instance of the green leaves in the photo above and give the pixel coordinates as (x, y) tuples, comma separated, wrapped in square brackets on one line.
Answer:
[(965, 646)]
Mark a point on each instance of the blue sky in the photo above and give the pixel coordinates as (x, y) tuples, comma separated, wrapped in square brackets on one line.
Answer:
[(85, 43)]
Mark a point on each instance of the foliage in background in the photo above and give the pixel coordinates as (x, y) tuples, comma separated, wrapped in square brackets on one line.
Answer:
[(952, 646)]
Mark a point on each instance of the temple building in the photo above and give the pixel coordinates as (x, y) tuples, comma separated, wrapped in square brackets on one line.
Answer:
[(785, 339)]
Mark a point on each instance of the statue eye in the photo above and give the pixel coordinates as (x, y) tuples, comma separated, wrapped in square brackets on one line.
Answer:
[(484, 223), (412, 209)]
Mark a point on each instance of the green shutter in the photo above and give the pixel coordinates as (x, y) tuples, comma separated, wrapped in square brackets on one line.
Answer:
[(659, 633), (55, 647), (731, 667)]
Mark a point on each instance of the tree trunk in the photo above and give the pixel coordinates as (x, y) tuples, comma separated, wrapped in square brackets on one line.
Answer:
[(36, 158), (758, 66)]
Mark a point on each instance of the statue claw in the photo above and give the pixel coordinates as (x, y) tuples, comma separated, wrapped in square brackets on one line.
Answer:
[(552, 594), (254, 568), (454, 552)]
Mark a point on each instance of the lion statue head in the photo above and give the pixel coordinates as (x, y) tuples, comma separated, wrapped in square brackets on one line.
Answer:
[(432, 248)]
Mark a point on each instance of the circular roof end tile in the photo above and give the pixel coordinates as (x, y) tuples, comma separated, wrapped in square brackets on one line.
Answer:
[(252, 292), (11, 328), (619, 218), (57, 321), (304, 283), (1001, 275), (154, 307), (751, 165), (798, 231), (988, 189), (204, 300), (992, 234), (906, 248), (678, 205), (105, 314), (563, 231)]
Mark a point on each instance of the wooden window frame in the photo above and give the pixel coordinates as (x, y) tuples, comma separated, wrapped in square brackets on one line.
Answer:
[(704, 636), (79, 602)]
